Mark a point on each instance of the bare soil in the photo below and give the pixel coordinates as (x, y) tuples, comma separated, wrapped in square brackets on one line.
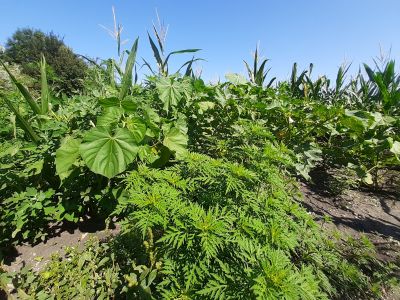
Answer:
[(38, 255), (356, 213)]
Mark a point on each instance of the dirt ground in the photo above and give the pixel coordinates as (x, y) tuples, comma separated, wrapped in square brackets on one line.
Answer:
[(38, 255), (354, 212)]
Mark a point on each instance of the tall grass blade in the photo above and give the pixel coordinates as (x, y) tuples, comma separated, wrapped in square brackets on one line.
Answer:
[(249, 72), (180, 52), (156, 53), (293, 76), (271, 82), (255, 60), (145, 63), (189, 64), (21, 120), (45, 95), (127, 78), (28, 97), (159, 40)]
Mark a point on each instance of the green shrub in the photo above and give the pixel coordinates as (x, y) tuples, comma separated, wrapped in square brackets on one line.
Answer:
[(67, 70), (219, 230)]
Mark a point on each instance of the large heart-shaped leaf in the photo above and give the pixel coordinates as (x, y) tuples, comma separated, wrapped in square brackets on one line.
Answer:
[(106, 153), (177, 142), (66, 156)]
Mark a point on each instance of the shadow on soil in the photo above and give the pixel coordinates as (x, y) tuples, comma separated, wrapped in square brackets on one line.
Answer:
[(89, 225)]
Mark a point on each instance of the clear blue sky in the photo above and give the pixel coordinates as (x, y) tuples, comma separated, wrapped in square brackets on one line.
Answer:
[(319, 31)]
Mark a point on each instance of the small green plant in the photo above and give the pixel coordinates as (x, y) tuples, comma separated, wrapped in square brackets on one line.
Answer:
[(23, 213)]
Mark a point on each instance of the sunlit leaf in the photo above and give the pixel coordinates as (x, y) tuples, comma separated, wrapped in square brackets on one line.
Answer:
[(106, 153)]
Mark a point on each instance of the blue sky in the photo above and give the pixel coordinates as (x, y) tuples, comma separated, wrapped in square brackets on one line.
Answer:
[(324, 32)]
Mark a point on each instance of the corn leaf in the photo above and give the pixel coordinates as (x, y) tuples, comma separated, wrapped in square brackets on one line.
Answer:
[(28, 97), (45, 88), (21, 120), (127, 78)]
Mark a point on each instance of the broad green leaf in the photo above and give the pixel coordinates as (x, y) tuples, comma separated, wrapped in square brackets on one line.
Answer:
[(127, 78), (11, 149), (357, 121), (137, 127), (151, 115), (66, 156), (395, 148), (236, 78), (128, 104), (163, 157), (152, 119), (110, 116), (177, 142), (181, 123), (170, 92), (109, 102), (106, 153)]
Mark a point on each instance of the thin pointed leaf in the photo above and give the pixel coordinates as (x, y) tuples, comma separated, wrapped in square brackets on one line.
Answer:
[(28, 97), (260, 73), (271, 82), (293, 76), (22, 122), (249, 71), (45, 88), (115, 65), (127, 78), (388, 76), (370, 73), (190, 62), (255, 61), (156, 53), (160, 43), (180, 52), (148, 65)]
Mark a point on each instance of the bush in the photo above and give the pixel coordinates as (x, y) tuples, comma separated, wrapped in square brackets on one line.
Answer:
[(25, 48), (209, 229)]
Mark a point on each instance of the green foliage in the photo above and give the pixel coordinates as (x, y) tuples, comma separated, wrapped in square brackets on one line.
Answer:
[(108, 154), (162, 59), (26, 212), (257, 74), (88, 274), (201, 177), (26, 47), (214, 222)]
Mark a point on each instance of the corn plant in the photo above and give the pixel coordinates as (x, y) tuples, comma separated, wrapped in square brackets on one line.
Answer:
[(386, 86), (162, 58), (258, 74)]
